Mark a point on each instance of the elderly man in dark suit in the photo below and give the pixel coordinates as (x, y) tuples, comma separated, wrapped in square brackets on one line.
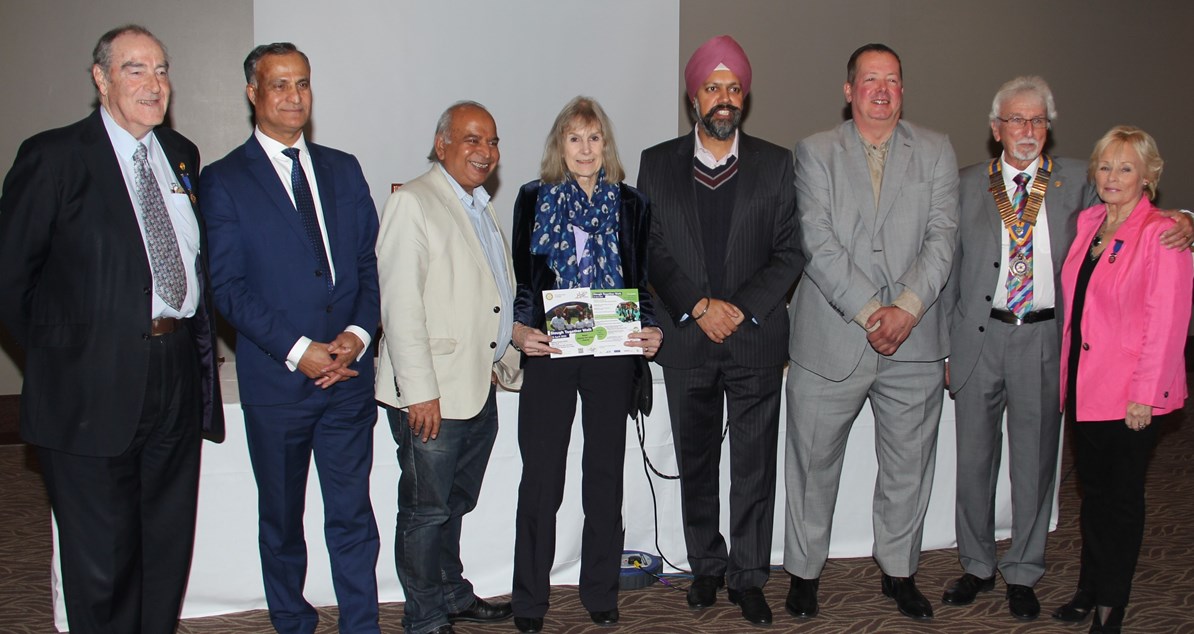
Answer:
[(103, 283), (724, 252), (878, 207), (1019, 212), (292, 235)]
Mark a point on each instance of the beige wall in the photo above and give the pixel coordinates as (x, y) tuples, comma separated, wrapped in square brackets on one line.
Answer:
[(46, 48), (1107, 63)]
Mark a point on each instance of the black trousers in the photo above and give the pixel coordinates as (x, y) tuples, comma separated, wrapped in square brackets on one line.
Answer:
[(126, 524), (546, 408), (751, 396), (1111, 461)]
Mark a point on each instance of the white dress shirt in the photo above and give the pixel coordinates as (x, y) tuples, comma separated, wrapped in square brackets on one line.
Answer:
[(178, 206)]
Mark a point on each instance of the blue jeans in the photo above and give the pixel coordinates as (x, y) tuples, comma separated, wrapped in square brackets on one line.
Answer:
[(439, 485)]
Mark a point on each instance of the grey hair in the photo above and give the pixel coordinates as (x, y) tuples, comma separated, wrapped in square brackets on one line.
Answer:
[(445, 123), (1026, 84), (101, 55), (277, 48)]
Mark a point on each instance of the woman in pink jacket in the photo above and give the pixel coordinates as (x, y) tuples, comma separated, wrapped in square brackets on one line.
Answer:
[(1127, 307)]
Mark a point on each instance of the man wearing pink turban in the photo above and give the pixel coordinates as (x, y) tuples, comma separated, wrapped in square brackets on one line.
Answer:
[(724, 250)]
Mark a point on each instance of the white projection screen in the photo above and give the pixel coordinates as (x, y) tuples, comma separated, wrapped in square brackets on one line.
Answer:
[(383, 70)]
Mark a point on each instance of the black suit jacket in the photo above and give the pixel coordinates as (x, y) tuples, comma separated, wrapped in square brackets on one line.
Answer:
[(534, 275), (763, 255), (76, 290)]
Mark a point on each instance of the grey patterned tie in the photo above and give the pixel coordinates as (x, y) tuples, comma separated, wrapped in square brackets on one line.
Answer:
[(165, 260)]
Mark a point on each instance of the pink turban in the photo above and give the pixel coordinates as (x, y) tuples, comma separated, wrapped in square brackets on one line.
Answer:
[(721, 49)]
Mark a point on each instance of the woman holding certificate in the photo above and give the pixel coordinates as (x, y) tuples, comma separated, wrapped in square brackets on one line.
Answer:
[(1127, 306), (576, 227)]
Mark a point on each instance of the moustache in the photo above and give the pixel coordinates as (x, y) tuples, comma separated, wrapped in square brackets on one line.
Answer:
[(725, 106)]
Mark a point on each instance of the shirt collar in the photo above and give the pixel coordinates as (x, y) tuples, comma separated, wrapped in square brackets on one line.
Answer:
[(705, 156), (1010, 172), (479, 197), (274, 148), (123, 142)]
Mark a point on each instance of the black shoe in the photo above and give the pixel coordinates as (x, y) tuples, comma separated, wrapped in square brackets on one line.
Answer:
[(605, 617), (446, 628), (754, 605), (481, 611), (966, 587), (703, 591), (528, 624), (911, 602), (802, 597), (1022, 603), (1077, 609), (1113, 624)]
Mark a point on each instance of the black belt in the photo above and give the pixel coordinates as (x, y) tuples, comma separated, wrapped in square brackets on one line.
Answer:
[(1008, 317)]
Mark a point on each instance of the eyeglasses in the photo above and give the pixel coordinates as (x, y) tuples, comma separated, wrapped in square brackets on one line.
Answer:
[(1018, 121)]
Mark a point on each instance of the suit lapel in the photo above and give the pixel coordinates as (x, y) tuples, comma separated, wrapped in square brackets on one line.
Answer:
[(858, 193), (451, 202), (262, 169), (899, 156), (684, 184), (991, 218), (327, 199), (101, 161), (1058, 211), (748, 177)]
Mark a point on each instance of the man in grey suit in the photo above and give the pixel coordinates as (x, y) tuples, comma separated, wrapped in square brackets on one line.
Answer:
[(1005, 339), (724, 252), (877, 200)]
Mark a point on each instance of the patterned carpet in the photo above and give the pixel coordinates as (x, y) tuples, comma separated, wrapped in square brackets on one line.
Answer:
[(1162, 599)]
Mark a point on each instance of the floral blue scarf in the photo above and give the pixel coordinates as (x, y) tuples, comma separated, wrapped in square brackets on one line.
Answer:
[(563, 206)]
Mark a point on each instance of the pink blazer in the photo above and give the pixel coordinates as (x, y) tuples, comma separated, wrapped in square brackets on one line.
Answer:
[(1135, 318)]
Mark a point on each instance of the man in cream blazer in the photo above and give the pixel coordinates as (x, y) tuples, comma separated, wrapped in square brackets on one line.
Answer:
[(446, 313)]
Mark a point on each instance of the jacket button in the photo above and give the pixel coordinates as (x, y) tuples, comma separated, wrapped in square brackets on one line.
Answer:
[(1166, 394), (497, 309), (145, 335), (492, 345), (1085, 346), (988, 298), (982, 329), (145, 290), (318, 273), (329, 308), (996, 265)]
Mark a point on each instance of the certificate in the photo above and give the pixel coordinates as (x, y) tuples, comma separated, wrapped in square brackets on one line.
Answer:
[(598, 322)]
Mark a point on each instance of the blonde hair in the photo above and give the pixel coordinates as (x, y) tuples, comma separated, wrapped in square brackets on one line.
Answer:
[(1145, 147), (581, 111)]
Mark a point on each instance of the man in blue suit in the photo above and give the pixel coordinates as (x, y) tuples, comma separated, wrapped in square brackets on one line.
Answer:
[(292, 230)]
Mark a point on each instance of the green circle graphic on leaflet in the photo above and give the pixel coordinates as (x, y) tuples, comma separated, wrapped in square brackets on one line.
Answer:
[(585, 338)]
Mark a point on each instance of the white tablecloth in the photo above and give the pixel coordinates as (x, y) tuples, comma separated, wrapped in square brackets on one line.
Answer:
[(226, 573)]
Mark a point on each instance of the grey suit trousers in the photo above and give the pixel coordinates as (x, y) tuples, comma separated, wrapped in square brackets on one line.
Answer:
[(1018, 370), (906, 401)]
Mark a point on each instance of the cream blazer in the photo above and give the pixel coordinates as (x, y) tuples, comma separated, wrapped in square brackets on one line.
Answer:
[(440, 307)]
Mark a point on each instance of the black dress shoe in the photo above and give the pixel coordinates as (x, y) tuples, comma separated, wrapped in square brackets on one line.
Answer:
[(802, 597), (481, 611), (443, 629), (754, 605), (703, 591), (528, 624), (966, 587), (1022, 603), (605, 617), (911, 602), (1077, 609), (1113, 624)]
